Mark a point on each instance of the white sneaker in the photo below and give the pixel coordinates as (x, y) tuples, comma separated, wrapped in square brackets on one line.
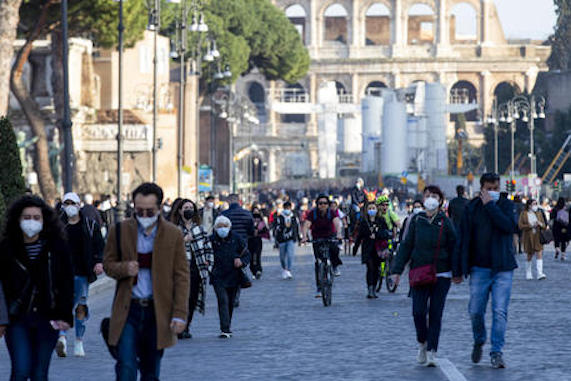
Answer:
[(289, 275), (336, 271), (284, 274), (78, 349), (541, 276), (431, 359), (421, 357), (61, 347)]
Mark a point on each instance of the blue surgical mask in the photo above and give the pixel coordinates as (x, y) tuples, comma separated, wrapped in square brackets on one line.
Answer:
[(495, 195), (372, 212), (286, 212), (223, 232)]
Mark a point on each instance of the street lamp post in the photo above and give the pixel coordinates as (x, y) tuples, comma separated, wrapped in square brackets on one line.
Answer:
[(120, 205), (154, 25), (66, 122), (527, 110), (505, 110), (493, 120)]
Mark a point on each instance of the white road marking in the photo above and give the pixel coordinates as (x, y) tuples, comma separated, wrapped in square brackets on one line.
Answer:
[(450, 371)]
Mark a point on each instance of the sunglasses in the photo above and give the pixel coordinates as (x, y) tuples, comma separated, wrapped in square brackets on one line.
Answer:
[(145, 212), (322, 203)]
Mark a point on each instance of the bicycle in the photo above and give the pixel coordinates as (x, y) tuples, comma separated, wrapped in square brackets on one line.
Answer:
[(325, 268), (385, 267)]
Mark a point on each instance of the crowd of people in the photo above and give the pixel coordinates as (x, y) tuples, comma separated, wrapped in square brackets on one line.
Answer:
[(165, 254)]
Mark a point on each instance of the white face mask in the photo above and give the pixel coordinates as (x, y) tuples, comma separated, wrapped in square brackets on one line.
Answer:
[(147, 222), (495, 195), (31, 227), (210, 204), (223, 232), (71, 210), (535, 208), (358, 185), (416, 210), (431, 203)]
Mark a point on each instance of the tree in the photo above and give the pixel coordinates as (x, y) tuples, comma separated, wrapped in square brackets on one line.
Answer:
[(560, 40), (12, 183), (10, 17)]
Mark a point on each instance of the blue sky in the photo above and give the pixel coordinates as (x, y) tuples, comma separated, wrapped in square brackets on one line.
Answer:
[(527, 18)]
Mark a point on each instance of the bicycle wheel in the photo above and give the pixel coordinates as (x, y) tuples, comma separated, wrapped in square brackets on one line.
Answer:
[(391, 285), (326, 277), (382, 273)]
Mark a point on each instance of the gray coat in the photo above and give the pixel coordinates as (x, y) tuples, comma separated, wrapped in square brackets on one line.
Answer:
[(3, 309)]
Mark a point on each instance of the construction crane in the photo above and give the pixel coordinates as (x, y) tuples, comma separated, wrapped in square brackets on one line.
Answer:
[(558, 162)]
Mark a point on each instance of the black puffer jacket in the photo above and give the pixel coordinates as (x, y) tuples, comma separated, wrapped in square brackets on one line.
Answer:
[(367, 228), (225, 251), (53, 281)]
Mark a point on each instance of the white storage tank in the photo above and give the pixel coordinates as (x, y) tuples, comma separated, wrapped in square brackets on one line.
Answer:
[(394, 156), (435, 111), (372, 119)]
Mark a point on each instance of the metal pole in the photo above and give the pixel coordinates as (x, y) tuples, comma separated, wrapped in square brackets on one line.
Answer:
[(181, 96), (512, 172), (198, 63), (231, 167), (213, 138), (120, 205), (496, 146), (66, 122), (156, 20), (531, 133)]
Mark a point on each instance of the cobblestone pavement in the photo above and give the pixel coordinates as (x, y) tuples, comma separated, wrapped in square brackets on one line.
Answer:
[(281, 332)]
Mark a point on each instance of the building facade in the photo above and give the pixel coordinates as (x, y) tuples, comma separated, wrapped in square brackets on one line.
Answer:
[(364, 45)]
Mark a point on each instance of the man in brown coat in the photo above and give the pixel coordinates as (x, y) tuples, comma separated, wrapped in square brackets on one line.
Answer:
[(151, 304)]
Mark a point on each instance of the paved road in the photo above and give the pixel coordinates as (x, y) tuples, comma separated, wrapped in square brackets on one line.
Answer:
[(283, 333)]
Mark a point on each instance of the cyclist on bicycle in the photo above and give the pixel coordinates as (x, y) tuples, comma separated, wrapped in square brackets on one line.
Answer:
[(324, 224), (390, 216)]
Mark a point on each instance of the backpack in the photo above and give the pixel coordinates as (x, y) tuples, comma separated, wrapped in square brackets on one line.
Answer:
[(562, 217)]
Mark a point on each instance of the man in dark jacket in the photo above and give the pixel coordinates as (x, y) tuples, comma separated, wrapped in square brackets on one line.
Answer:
[(242, 225), (3, 313), (457, 206), (86, 244), (487, 255), (358, 195)]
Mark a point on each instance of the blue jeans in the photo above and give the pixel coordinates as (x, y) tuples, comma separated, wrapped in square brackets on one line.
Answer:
[(482, 282), (287, 251), (80, 294), (30, 341), (137, 347)]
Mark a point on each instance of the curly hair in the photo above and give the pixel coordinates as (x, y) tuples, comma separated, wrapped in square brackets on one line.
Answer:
[(52, 225), (176, 218)]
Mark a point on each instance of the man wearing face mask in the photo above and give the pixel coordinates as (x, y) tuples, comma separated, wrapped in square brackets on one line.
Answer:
[(487, 255), (417, 208), (208, 214), (153, 282), (86, 244)]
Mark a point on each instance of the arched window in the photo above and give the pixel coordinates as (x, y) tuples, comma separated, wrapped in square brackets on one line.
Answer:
[(378, 25), (294, 93), (464, 92), (297, 16), (336, 24), (421, 25), (340, 88), (463, 24), (505, 91), (374, 88), (257, 96)]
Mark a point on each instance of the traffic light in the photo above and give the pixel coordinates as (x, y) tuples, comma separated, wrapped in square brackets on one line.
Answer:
[(513, 185), (557, 185), (510, 185)]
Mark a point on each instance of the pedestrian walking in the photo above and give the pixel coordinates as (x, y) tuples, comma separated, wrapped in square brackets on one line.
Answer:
[(255, 244), (457, 205), (487, 256), (86, 245), (430, 241), (417, 207), (242, 225), (199, 255), (36, 274), (531, 223), (287, 235), (560, 217), (151, 302), (373, 236), (230, 258), (208, 214)]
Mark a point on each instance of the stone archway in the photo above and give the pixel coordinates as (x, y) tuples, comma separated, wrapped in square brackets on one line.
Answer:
[(463, 24), (336, 24), (464, 92), (374, 88), (377, 24), (421, 24)]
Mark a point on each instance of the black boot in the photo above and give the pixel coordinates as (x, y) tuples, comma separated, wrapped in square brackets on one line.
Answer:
[(371, 293)]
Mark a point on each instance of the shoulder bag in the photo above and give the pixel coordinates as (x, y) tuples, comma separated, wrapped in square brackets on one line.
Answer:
[(426, 275)]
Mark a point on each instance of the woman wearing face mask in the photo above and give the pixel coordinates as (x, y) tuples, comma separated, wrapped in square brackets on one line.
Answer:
[(430, 240), (373, 235), (255, 242), (531, 223), (230, 256), (199, 254), (37, 277)]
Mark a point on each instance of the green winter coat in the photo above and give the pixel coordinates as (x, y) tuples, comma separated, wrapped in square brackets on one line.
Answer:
[(421, 241)]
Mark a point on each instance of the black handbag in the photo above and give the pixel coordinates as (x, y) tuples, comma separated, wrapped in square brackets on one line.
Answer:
[(106, 322), (545, 236)]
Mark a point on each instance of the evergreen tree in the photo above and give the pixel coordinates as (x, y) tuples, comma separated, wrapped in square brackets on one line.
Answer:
[(12, 183), (560, 41)]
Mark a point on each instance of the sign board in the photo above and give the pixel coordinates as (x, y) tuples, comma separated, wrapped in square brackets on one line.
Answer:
[(205, 179), (567, 177)]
